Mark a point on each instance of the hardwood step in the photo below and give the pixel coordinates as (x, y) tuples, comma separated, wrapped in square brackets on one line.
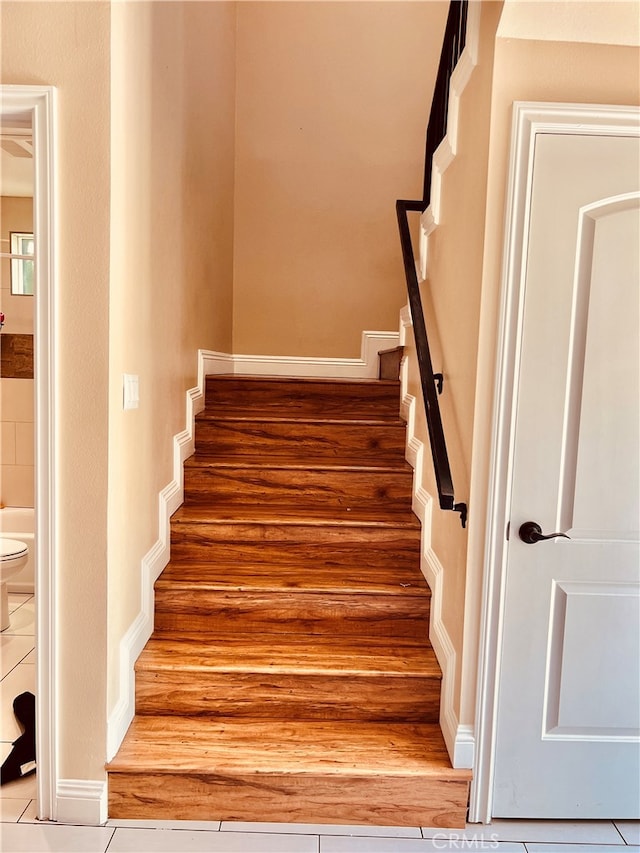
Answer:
[(310, 772), (342, 398), (211, 483), (389, 361), (315, 678), (324, 570), (228, 599), (357, 560), (195, 528), (233, 437)]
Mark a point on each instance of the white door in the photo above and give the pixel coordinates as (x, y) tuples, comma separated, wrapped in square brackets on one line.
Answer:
[(568, 708)]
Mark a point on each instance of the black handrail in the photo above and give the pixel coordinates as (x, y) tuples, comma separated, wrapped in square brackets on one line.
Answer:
[(453, 45)]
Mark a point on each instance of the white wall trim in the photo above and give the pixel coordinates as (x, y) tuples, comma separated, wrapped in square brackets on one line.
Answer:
[(447, 150), (365, 367), (529, 120), (82, 802), (459, 739), (157, 557), (170, 498), (38, 103)]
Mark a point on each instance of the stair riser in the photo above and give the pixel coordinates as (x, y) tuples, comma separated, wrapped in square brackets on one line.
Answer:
[(289, 696), (327, 488), (356, 558), (291, 613), (190, 541), (303, 399), (289, 798), (301, 440)]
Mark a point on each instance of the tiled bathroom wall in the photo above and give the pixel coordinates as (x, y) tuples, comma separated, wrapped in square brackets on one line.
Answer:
[(16, 423)]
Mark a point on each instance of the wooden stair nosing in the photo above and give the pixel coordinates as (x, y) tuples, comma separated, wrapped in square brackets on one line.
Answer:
[(339, 579), (273, 392), (286, 771), (276, 486), (293, 614), (200, 744), (269, 655), (329, 678), (296, 696), (347, 464), (289, 514)]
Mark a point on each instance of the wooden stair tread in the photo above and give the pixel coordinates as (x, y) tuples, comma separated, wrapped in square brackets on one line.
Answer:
[(301, 381), (297, 515), (198, 745), (408, 581), (298, 463), (325, 655), (231, 415)]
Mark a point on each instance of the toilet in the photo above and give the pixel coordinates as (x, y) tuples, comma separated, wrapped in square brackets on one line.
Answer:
[(13, 556)]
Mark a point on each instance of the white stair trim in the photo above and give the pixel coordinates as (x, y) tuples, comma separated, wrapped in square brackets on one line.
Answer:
[(365, 367), (446, 151), (157, 557), (460, 740)]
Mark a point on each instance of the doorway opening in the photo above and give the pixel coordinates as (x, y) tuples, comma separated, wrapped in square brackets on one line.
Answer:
[(27, 119)]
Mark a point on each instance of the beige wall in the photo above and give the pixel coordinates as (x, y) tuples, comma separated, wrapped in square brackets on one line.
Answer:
[(16, 395), (332, 106), (67, 45), (461, 296), (171, 257)]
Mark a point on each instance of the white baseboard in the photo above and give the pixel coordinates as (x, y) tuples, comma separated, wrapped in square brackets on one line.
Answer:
[(82, 802), (170, 498), (365, 367), (459, 739), (157, 557)]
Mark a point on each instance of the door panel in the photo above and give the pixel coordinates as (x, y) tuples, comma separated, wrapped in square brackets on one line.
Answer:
[(569, 700)]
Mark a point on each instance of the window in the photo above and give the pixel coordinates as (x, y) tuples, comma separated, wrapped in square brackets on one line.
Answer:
[(22, 272)]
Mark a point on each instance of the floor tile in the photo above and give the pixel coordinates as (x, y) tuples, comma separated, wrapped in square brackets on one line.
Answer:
[(17, 599), (20, 789), (54, 838), (181, 841), (13, 650), (549, 831), (11, 810), (323, 829), (205, 825), (31, 814), (534, 847), (629, 830), (21, 678), (447, 840), (23, 620)]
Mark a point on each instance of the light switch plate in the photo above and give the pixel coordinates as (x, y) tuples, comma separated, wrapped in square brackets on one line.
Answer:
[(130, 395)]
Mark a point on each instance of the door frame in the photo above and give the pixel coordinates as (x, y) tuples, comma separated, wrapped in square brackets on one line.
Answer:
[(39, 103), (529, 119)]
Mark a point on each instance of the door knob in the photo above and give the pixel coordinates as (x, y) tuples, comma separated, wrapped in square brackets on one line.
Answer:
[(531, 532)]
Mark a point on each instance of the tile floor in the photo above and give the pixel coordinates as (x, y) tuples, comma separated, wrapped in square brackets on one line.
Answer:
[(20, 831)]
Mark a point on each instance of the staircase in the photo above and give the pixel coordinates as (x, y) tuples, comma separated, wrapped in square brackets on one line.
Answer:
[(289, 676)]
